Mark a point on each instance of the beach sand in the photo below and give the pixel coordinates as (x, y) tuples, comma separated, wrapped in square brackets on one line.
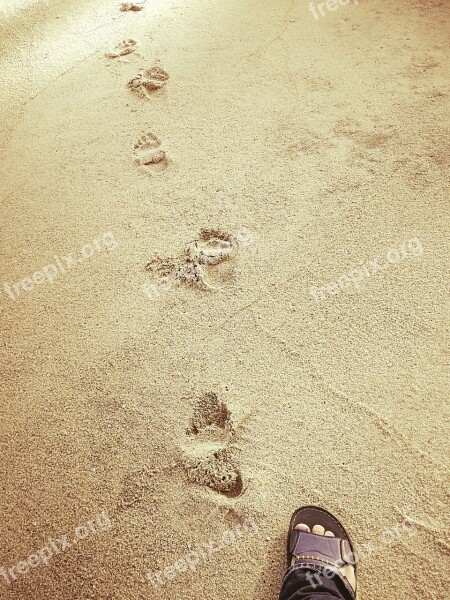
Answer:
[(287, 176)]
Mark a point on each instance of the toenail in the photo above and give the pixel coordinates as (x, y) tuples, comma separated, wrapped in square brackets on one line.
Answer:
[(318, 529)]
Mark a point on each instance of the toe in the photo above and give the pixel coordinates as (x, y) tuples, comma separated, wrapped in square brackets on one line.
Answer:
[(302, 527), (318, 529), (329, 534)]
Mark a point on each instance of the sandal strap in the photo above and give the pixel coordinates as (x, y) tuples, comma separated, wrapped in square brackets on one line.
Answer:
[(331, 551)]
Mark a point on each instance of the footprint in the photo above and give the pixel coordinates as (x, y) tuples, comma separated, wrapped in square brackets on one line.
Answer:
[(205, 260), (123, 49), (134, 6), (156, 72), (212, 247), (208, 460), (147, 82), (148, 153), (210, 414), (217, 470), (205, 264)]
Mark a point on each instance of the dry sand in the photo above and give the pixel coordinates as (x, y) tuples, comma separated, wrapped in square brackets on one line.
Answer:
[(311, 146)]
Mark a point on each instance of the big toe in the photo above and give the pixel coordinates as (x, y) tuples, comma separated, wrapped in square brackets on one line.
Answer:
[(302, 527)]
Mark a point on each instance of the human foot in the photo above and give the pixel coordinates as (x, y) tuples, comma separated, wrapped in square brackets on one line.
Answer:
[(318, 543), (347, 570)]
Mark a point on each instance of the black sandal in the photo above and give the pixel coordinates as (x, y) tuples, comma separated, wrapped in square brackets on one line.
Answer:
[(319, 552)]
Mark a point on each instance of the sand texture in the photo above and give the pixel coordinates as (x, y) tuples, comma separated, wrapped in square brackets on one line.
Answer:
[(224, 294)]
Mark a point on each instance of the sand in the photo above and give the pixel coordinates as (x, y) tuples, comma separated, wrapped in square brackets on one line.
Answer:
[(223, 294)]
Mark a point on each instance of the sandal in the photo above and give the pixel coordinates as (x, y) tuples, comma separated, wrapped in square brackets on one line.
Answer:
[(320, 552)]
